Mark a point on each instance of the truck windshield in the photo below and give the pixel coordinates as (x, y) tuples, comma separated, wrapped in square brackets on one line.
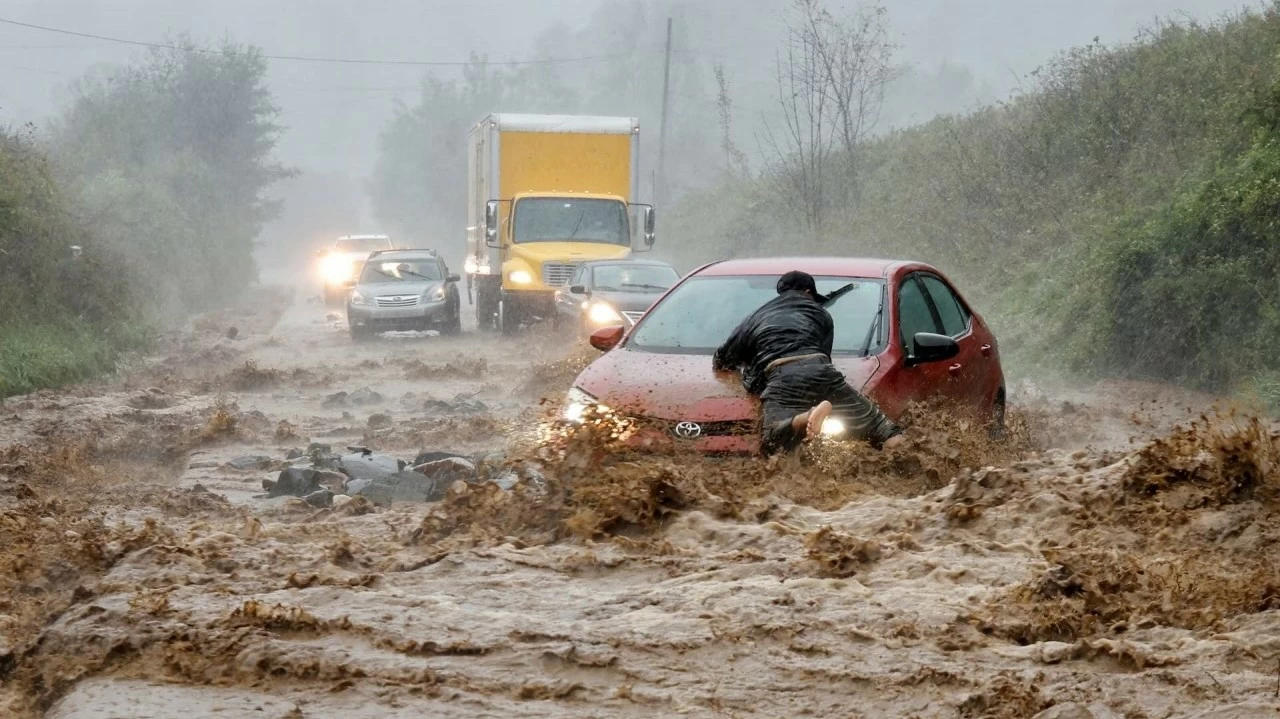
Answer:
[(546, 219), (701, 313)]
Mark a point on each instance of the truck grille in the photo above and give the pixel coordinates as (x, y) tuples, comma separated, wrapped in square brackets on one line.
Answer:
[(398, 301), (555, 274)]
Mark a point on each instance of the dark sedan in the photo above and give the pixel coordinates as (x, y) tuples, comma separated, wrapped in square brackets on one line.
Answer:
[(612, 292)]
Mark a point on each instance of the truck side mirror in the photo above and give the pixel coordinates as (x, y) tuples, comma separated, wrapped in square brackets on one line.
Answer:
[(491, 223), (649, 235), (577, 290)]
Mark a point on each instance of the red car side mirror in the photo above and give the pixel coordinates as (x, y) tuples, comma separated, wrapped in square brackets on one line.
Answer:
[(606, 338)]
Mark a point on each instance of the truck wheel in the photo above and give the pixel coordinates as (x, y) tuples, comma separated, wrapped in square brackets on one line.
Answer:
[(486, 307), (508, 317)]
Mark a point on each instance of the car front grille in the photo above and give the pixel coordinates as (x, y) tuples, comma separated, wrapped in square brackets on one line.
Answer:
[(736, 428), (633, 317), (555, 274), (398, 301)]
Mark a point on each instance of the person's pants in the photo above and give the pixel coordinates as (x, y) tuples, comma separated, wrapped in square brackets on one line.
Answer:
[(798, 387)]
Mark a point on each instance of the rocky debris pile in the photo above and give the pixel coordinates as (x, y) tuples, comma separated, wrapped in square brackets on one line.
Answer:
[(324, 478)]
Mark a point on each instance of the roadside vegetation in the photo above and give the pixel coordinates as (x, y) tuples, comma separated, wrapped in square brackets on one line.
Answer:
[(1119, 217), (155, 174)]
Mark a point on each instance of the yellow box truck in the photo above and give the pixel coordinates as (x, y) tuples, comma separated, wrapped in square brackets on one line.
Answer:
[(544, 193)]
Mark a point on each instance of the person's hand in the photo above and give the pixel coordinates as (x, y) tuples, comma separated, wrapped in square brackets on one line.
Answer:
[(896, 440)]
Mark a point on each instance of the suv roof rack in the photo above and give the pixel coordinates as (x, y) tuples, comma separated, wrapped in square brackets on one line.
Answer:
[(403, 249)]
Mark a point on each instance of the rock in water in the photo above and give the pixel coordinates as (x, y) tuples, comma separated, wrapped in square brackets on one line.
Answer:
[(294, 482), (449, 470), (250, 461), (322, 499), (369, 465), (400, 487), (364, 395), (333, 481), (425, 456)]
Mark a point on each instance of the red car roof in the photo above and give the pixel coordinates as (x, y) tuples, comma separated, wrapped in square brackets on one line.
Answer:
[(817, 266)]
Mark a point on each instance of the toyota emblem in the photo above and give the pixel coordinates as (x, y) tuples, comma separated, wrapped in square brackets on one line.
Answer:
[(688, 430)]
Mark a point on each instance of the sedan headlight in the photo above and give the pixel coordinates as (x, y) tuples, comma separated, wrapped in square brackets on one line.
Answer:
[(520, 277), (603, 314), (577, 403), (359, 299), (833, 427)]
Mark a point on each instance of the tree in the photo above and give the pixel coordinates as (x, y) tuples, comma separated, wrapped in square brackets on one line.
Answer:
[(171, 160), (831, 78)]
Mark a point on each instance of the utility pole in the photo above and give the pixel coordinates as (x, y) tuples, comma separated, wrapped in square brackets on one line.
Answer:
[(661, 193)]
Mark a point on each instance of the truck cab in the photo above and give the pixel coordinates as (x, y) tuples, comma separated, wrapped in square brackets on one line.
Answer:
[(547, 193)]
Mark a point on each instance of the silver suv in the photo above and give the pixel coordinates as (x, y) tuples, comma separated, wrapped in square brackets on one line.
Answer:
[(404, 290)]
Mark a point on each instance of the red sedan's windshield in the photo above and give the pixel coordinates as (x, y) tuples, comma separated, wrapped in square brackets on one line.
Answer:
[(699, 315)]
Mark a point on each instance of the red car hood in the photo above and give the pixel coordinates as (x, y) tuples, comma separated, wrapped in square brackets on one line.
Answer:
[(682, 387)]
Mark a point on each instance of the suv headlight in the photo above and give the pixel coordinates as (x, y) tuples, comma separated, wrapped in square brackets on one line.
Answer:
[(577, 403), (359, 299), (336, 268)]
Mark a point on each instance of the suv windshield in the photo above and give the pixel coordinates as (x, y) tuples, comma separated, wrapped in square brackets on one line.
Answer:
[(367, 244), (633, 278), (698, 317), (400, 271), (542, 219)]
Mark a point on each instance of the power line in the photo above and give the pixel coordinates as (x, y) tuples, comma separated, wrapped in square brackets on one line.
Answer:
[(42, 71), (305, 58)]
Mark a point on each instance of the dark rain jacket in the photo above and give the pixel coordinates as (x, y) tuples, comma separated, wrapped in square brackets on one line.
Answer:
[(791, 324)]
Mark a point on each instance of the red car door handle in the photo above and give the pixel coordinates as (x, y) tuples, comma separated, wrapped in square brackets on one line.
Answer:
[(986, 350), (955, 368)]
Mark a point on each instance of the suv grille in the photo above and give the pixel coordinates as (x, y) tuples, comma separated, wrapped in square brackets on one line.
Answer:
[(555, 274), (398, 301)]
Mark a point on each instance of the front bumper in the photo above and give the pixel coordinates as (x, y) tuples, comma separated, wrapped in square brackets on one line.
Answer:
[(422, 314)]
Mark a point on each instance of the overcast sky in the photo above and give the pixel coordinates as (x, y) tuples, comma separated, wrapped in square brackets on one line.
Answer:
[(334, 112)]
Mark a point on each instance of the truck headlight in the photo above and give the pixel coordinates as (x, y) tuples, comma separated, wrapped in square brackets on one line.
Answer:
[(577, 403), (603, 314), (520, 277)]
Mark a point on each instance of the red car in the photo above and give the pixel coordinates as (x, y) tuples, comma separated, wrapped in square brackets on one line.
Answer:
[(902, 334)]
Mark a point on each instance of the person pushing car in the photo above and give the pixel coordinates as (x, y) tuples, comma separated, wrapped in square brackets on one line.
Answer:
[(783, 351)]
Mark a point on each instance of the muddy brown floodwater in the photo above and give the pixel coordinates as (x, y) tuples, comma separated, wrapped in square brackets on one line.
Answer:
[(1115, 556)]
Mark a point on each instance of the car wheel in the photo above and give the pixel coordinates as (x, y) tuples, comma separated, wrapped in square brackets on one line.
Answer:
[(453, 325), (998, 417)]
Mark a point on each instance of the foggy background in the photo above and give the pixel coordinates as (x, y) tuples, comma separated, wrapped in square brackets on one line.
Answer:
[(953, 57)]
